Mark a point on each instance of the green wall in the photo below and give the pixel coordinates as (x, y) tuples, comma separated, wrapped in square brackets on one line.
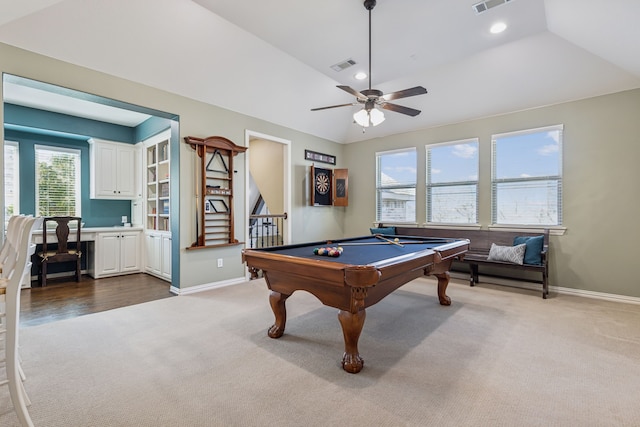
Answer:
[(600, 199), (601, 147)]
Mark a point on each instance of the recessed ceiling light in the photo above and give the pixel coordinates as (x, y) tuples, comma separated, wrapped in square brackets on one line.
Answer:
[(360, 76), (498, 27)]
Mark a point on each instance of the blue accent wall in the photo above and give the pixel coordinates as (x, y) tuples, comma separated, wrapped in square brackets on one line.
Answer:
[(29, 127), (151, 127), (19, 117), (95, 212)]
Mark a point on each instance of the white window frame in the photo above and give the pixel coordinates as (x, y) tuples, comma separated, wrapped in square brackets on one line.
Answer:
[(382, 186), (495, 181), (431, 186), (15, 179), (78, 162)]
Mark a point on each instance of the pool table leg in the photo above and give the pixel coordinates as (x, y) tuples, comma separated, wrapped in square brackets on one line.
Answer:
[(352, 324), (277, 301), (443, 282)]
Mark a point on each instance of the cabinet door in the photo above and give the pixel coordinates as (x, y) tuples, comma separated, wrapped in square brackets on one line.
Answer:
[(153, 246), (130, 252), (166, 257), (107, 254), (112, 170), (104, 164), (125, 172)]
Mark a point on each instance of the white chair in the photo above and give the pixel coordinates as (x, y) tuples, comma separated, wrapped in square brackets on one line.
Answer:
[(12, 225), (12, 272), (8, 257)]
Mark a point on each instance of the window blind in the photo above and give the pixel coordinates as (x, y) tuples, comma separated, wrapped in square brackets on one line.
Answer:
[(526, 179), (57, 181), (396, 185), (11, 179)]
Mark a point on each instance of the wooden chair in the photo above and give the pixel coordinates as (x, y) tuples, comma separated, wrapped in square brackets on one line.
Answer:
[(65, 251), (17, 259)]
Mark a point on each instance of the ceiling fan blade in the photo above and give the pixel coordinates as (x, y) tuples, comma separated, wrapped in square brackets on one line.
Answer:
[(332, 106), (418, 90), (400, 109), (352, 91)]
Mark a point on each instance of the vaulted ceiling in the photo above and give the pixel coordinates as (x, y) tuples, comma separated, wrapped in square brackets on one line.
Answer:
[(272, 59)]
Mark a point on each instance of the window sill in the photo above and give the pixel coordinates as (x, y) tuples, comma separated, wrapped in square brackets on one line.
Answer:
[(452, 226), (554, 230), (395, 224)]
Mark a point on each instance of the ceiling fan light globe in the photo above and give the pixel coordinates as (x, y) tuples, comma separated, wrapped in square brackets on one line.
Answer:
[(362, 118), (376, 116)]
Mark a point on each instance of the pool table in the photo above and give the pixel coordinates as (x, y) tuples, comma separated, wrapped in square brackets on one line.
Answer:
[(368, 269)]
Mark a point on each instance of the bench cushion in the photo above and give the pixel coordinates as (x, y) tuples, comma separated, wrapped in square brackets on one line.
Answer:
[(532, 254), (514, 254)]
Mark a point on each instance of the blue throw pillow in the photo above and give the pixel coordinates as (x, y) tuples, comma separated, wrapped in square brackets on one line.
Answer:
[(383, 230), (534, 248)]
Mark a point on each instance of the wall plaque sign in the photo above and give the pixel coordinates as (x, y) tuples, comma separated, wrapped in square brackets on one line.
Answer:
[(319, 157)]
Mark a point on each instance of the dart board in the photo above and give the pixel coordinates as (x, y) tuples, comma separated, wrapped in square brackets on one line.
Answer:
[(321, 183)]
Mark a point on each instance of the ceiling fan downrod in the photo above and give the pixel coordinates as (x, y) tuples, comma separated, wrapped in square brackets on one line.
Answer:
[(369, 5)]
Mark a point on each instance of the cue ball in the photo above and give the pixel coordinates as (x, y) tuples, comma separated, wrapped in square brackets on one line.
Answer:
[(396, 240)]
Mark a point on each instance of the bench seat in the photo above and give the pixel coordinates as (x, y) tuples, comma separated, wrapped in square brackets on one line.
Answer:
[(480, 244)]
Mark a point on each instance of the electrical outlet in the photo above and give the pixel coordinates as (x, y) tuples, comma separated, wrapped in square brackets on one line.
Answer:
[(124, 219), (219, 262)]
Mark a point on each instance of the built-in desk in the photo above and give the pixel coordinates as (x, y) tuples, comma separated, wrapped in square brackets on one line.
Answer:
[(110, 251), (87, 234)]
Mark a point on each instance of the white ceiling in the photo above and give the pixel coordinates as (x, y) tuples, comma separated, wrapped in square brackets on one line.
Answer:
[(50, 99), (271, 59)]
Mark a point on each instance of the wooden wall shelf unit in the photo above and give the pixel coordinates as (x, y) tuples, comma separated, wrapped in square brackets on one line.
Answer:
[(214, 191)]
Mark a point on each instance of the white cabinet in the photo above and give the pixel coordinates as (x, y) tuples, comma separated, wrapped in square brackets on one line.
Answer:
[(158, 254), (112, 170), (153, 247), (157, 182), (116, 253), (165, 256), (156, 169)]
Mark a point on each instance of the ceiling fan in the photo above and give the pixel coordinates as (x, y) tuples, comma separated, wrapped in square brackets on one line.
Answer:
[(370, 98)]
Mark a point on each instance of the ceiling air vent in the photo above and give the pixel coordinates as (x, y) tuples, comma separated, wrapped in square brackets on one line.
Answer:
[(342, 65), (483, 6)]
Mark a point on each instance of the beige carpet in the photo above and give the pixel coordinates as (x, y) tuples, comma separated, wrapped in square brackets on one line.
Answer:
[(497, 357)]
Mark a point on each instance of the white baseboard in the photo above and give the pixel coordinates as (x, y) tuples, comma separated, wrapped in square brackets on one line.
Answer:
[(555, 289), (206, 286)]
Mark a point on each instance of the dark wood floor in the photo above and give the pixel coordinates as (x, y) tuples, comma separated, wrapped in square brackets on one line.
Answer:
[(65, 298)]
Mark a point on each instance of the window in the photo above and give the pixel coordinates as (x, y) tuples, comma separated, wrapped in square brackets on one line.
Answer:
[(452, 182), (396, 186), (527, 177), (11, 180), (57, 181)]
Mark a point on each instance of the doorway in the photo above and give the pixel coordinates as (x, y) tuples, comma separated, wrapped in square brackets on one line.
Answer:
[(62, 117), (268, 200)]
